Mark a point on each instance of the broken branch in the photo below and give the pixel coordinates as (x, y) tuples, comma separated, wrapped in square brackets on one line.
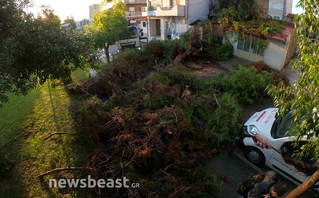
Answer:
[(65, 168), (217, 101), (57, 133)]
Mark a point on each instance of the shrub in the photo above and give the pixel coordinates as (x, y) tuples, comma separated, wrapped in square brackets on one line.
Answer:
[(223, 52), (247, 85), (155, 48), (130, 57)]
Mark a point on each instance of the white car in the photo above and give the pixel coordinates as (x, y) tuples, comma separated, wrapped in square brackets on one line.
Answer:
[(273, 130)]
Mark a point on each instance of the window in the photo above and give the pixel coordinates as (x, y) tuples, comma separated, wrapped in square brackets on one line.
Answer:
[(253, 48), (284, 125), (240, 43), (247, 44), (277, 17), (144, 24), (250, 45)]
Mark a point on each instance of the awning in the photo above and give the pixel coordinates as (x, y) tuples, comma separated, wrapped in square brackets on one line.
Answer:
[(141, 19)]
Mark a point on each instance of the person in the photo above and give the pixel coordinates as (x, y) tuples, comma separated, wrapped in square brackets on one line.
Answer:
[(279, 190), (169, 34), (262, 188)]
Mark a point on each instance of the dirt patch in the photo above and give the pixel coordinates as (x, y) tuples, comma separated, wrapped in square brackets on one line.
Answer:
[(210, 71)]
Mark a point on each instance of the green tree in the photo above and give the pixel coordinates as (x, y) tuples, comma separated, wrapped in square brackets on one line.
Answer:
[(303, 97), (71, 22), (35, 49), (109, 25)]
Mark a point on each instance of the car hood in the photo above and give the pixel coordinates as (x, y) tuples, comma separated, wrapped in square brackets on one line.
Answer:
[(263, 120)]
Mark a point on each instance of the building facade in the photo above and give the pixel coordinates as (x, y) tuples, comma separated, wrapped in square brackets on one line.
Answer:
[(134, 9), (174, 14), (279, 8), (134, 13), (92, 9), (280, 49)]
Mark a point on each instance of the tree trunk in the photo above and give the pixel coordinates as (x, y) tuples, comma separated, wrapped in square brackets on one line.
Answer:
[(107, 54), (297, 192)]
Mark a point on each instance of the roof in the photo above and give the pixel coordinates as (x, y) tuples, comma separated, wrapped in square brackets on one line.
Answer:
[(141, 18), (291, 15), (284, 33), (198, 22)]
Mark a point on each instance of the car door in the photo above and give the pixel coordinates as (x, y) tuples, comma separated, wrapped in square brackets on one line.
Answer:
[(283, 162)]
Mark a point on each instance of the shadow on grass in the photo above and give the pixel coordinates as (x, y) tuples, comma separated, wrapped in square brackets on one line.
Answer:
[(53, 108), (73, 149)]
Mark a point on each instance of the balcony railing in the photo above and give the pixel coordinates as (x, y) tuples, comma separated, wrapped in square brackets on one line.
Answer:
[(133, 13), (134, 1), (177, 10)]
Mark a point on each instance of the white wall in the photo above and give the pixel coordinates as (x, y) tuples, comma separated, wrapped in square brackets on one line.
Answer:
[(288, 7), (233, 40), (276, 8), (140, 25), (198, 9), (274, 55), (180, 26)]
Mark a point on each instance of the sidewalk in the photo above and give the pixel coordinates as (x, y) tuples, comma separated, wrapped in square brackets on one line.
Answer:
[(235, 168)]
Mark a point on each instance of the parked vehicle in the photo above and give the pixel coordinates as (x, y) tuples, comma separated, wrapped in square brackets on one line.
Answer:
[(279, 156), (135, 39)]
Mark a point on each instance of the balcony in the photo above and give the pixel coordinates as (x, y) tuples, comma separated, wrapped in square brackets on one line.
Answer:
[(177, 10), (134, 1), (149, 11), (130, 14)]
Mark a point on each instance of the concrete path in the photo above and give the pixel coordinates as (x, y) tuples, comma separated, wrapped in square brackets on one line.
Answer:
[(292, 75)]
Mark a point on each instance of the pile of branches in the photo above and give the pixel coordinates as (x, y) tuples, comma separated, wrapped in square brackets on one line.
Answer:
[(99, 86), (132, 65), (198, 48), (277, 76), (160, 138)]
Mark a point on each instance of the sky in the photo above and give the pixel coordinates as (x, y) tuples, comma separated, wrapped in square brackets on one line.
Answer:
[(79, 9)]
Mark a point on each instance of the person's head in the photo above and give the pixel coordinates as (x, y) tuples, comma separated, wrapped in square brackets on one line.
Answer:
[(280, 189)]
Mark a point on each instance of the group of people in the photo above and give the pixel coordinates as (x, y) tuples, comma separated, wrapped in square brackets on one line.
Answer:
[(264, 186)]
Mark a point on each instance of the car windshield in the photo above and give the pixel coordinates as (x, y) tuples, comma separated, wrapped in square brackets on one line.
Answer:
[(281, 126), (132, 33)]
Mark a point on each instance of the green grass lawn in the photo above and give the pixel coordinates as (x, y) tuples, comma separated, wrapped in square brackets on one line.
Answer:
[(13, 116), (24, 122)]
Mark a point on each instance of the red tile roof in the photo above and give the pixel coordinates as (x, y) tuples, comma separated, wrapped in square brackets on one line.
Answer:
[(291, 16), (284, 33)]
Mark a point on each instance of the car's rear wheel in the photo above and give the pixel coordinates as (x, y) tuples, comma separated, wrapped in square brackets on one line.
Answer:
[(254, 155)]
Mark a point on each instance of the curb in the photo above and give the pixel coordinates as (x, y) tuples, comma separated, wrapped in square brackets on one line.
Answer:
[(247, 162)]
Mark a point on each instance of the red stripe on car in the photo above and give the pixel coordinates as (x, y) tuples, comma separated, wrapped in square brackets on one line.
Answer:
[(261, 116)]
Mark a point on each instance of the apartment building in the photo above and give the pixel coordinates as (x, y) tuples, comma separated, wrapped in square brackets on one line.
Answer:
[(134, 13), (92, 9), (279, 8), (134, 8), (174, 14)]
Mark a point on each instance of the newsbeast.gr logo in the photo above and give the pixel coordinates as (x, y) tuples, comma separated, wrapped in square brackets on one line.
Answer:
[(92, 183)]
